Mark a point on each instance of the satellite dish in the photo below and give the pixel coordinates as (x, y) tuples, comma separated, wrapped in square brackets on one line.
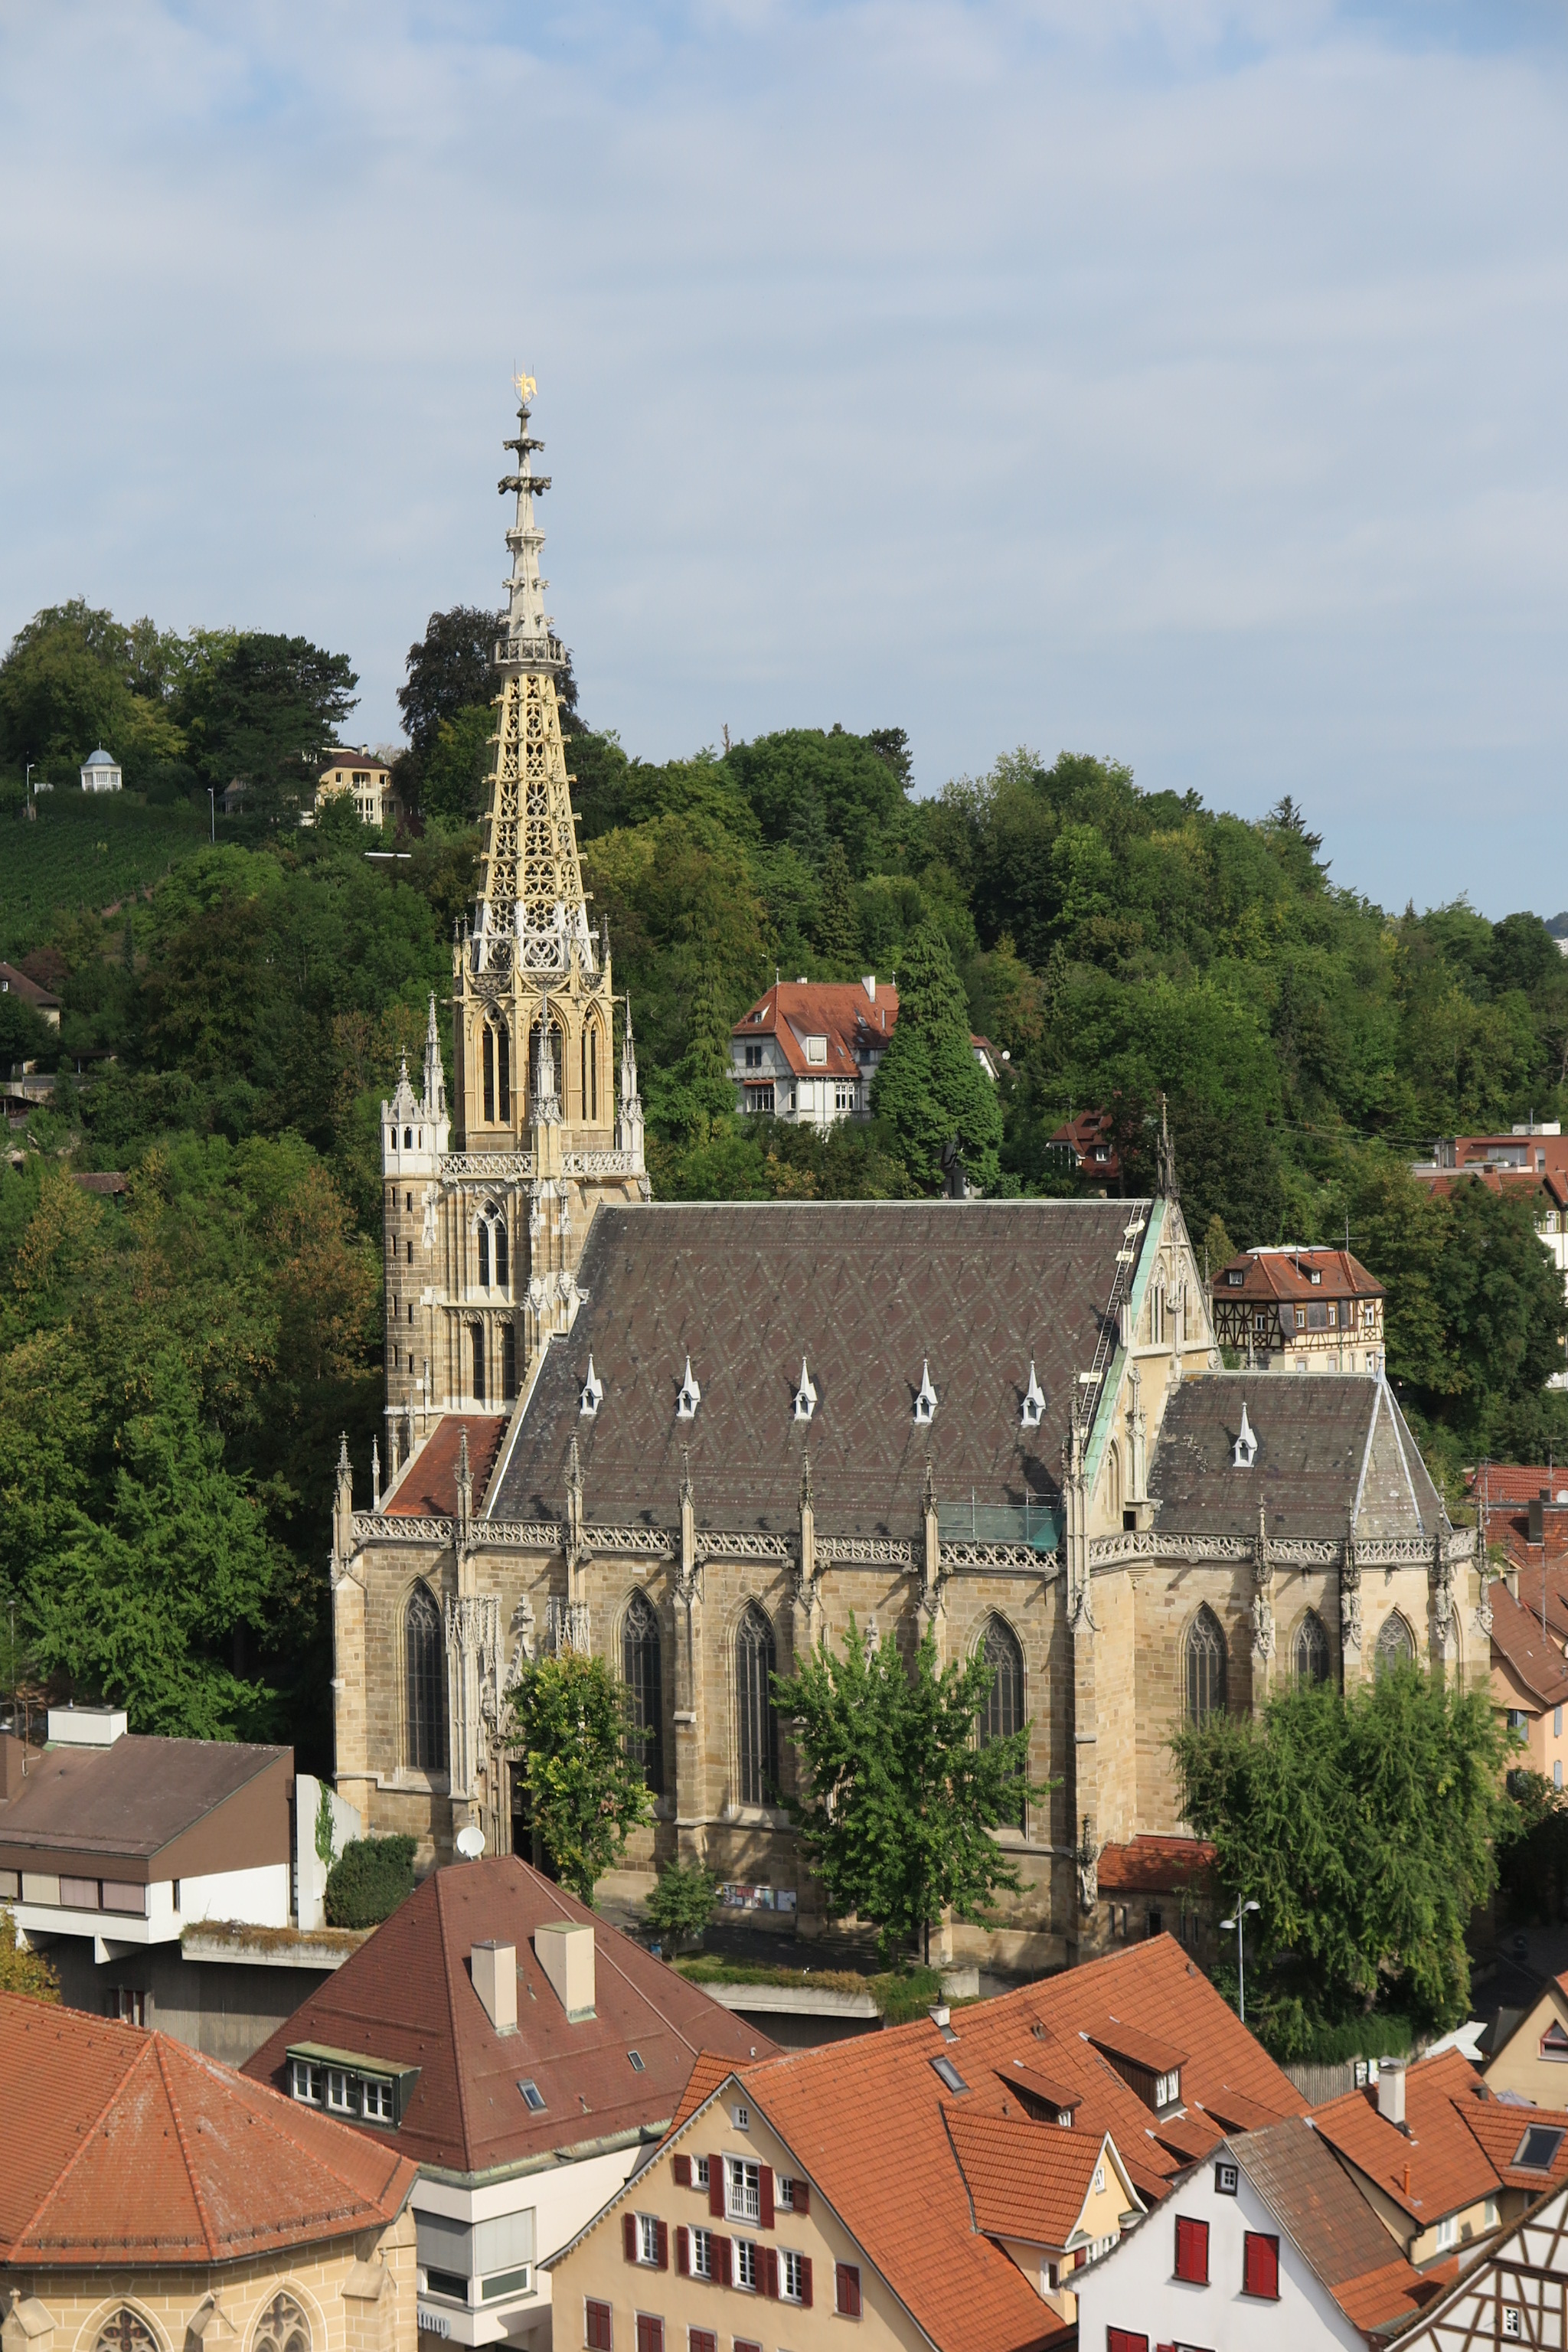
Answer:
[(471, 1842)]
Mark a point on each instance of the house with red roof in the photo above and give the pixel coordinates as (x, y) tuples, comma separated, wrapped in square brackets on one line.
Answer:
[(806, 1051), (154, 2201), (950, 2183), (1294, 1309), (519, 2051), (1529, 1163)]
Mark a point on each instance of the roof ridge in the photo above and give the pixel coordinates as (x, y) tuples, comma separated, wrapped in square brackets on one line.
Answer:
[(214, 2247), (54, 2185), (657, 2007), (946, 2113), (459, 2070)]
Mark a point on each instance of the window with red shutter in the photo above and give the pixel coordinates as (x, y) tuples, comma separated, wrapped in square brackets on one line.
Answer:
[(770, 2269), (716, 2186), (597, 2331), (1121, 2340), (702, 2339), (723, 2263), (847, 2290), (683, 2251), (1192, 2251), (650, 2333), (662, 2256), (765, 2188), (630, 2235), (805, 2281), (1260, 2265), (683, 2172)]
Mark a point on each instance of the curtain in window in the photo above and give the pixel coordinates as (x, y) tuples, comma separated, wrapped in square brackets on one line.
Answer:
[(1311, 1654), (425, 1733), (641, 1672), (757, 1744), (1204, 1662), (1003, 1713), (1395, 1644)]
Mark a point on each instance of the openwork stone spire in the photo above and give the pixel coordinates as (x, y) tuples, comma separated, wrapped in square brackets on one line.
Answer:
[(530, 886)]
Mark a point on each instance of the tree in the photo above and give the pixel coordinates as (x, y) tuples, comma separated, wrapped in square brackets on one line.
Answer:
[(265, 711), (24, 1034), (838, 916), (75, 677), (929, 1086), (682, 1900), (370, 1878), (583, 1776), (1363, 1827), (901, 1795), (450, 671), (23, 1973), (455, 772)]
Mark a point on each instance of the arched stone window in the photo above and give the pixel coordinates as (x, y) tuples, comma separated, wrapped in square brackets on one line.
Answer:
[(756, 1725), (125, 2333), (425, 1676), (591, 1071), (490, 1063), (502, 1254), (1003, 1713), (484, 1243), (282, 2327), (1204, 1662), (503, 1072), (1310, 1653), (508, 1362), (641, 1672), (479, 1363), (1395, 1644)]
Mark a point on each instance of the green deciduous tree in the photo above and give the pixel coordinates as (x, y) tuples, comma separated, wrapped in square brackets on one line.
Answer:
[(24, 1972), (1365, 1828), (585, 1777), (682, 1900), (929, 1088), (901, 1795), (264, 710)]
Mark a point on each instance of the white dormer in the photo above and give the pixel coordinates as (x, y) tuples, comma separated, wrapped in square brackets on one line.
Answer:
[(1033, 1401), (690, 1396), (816, 1051), (925, 1398), (806, 1395), (592, 1393), (1245, 1451)]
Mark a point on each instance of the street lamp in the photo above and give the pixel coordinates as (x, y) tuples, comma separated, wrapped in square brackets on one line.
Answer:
[(28, 784), (1239, 1927), (212, 811)]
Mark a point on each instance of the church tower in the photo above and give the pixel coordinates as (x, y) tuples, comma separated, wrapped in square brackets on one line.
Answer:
[(533, 1138)]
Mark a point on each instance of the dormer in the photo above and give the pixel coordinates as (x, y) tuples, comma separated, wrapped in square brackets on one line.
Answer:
[(1148, 2065)]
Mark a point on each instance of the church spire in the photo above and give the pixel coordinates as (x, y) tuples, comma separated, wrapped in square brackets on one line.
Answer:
[(530, 886), (435, 1102)]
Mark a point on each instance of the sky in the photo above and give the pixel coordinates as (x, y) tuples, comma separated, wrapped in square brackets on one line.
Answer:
[(1182, 383)]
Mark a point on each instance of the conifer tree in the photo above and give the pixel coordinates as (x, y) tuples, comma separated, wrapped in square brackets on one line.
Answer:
[(929, 1085), (838, 916)]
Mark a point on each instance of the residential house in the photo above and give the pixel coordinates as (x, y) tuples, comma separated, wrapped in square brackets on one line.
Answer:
[(42, 999), (949, 2184), (1529, 2059), (174, 1880), (1522, 1517), (1515, 2292), (524, 2055), (101, 772), (1266, 2240), (1086, 1141), (365, 777), (1293, 1309), (154, 2201), (807, 1051), (1529, 1163), (1530, 1681)]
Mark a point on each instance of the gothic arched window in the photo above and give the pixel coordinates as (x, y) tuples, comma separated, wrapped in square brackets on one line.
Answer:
[(757, 1730), (1114, 1482), (591, 1071), (125, 2333), (1203, 1660), (503, 1072), (425, 1738), (1395, 1644), (640, 1671), (282, 2327), (1003, 1713), (508, 1362), (489, 1059), (479, 1363), (484, 1241), (500, 1251), (1310, 1654)]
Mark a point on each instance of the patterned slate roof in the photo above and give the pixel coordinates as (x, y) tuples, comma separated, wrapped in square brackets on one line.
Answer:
[(408, 1996), (1328, 1444), (869, 1292), (126, 2147)]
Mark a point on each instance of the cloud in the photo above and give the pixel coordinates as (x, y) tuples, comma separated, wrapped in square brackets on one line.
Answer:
[(1182, 382)]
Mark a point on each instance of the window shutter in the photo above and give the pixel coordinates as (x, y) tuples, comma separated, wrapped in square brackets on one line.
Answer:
[(768, 2257), (802, 2195), (661, 2231), (716, 2186), (1121, 2340), (722, 2266), (847, 2290), (683, 2172), (1192, 2251), (1260, 2265), (806, 2281), (765, 2194), (630, 2235), (683, 2251)]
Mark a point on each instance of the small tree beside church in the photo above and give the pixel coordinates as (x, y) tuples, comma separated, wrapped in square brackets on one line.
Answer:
[(582, 1765), (901, 1796)]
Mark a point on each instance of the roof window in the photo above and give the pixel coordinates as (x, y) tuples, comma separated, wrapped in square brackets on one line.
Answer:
[(947, 2073), (636, 2063), (816, 1049), (532, 2097), (1236, 1276), (1538, 2149)]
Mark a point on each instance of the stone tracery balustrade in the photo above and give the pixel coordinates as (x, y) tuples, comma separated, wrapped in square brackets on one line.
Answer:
[(373, 1526), (864, 1551), (655, 1543), (487, 1167), (600, 1163), (980, 1555), (526, 1535)]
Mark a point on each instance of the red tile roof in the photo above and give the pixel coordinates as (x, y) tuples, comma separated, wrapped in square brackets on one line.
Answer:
[(1533, 1657), (1023, 2181), (427, 1490), (408, 1996), (1083, 1136), (868, 2123), (850, 1020), (1275, 1273), (1330, 2222), (127, 2148), (1459, 2147), (1157, 1866), (1442, 1181)]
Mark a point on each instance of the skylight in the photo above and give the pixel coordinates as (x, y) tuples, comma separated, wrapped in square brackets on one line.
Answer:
[(947, 2073), (1538, 2148), (635, 2057), (533, 2097)]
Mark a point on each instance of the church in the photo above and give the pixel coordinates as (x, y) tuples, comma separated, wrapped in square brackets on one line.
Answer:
[(693, 1438)]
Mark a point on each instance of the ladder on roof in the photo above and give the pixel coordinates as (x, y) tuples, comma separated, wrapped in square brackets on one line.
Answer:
[(1092, 1384)]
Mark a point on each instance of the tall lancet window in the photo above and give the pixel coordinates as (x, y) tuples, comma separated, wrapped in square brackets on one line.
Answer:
[(503, 1073), (756, 1725), (425, 1684), (483, 1238), (640, 1671), (499, 1230), (1396, 1645), (479, 1363), (508, 1362), (1003, 1713), (590, 1072), (1205, 1666), (489, 1062), (1312, 1657)]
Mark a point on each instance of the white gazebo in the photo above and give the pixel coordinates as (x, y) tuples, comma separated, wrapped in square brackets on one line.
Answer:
[(101, 773)]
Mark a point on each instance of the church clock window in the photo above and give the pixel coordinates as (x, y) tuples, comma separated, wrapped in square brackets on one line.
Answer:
[(757, 1740), (1003, 1712), (425, 1729), (1311, 1649), (1204, 1665), (508, 1362), (640, 1671), (479, 1363), (489, 1061), (1395, 1644)]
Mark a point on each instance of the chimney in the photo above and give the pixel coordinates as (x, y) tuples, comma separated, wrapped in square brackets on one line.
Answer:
[(1390, 2091), (86, 1726), (566, 1953), (1538, 1516), (495, 1982), (869, 984)]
